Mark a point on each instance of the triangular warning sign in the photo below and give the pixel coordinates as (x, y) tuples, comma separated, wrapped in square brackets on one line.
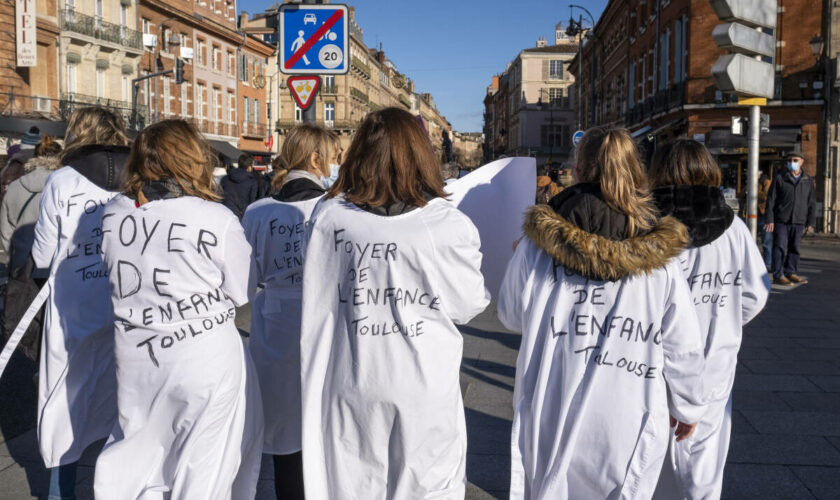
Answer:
[(303, 89)]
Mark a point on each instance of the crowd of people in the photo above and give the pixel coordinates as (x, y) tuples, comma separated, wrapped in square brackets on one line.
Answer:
[(630, 288)]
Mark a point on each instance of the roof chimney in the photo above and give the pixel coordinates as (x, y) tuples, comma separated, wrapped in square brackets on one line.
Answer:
[(541, 42)]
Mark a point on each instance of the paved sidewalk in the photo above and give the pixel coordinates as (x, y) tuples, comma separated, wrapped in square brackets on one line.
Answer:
[(786, 438)]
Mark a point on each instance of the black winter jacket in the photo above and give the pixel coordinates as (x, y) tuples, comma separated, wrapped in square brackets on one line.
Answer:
[(789, 202), (240, 190)]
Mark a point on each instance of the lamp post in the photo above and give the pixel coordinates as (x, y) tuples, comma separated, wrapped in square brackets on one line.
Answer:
[(818, 46), (577, 29), (135, 83)]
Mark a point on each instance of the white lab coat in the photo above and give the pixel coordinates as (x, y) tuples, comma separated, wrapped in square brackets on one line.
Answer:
[(729, 287), (383, 416), (276, 231), (600, 365), (76, 387), (190, 418)]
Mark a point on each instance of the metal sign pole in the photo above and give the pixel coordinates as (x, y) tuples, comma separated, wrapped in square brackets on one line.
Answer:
[(310, 114), (752, 170)]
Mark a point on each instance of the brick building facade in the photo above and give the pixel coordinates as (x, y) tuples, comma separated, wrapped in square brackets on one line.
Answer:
[(254, 108), (653, 63), (32, 93)]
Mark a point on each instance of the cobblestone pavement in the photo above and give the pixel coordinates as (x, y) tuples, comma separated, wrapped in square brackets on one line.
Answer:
[(786, 436)]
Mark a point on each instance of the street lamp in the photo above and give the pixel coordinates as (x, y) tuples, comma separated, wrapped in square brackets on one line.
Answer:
[(577, 29), (817, 45)]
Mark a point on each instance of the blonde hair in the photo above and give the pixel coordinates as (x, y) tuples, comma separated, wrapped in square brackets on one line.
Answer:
[(94, 125), (298, 147), (171, 149), (609, 157)]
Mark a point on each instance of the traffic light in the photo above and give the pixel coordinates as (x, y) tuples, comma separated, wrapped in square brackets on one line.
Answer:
[(179, 70), (743, 73)]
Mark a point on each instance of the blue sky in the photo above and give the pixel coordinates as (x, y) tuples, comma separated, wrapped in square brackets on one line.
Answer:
[(452, 48)]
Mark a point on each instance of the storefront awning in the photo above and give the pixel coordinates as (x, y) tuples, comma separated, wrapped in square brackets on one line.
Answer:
[(722, 142), (226, 149)]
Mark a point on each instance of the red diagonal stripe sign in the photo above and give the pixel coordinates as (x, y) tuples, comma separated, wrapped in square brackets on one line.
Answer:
[(337, 15)]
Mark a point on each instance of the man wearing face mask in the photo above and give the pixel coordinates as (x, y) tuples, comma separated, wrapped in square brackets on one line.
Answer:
[(790, 213)]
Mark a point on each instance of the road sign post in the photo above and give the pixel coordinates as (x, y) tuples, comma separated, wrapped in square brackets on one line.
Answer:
[(313, 40), (747, 73)]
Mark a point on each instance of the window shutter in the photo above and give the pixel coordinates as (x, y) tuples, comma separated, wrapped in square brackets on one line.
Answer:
[(545, 69)]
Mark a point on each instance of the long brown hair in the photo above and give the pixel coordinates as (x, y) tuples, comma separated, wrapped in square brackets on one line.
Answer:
[(93, 125), (171, 149), (683, 162), (609, 156), (390, 159), (300, 143)]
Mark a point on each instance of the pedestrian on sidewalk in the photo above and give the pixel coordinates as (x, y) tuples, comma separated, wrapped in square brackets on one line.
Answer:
[(275, 228), (190, 416), (610, 340), (729, 287), (791, 212), (765, 238), (239, 186), (76, 386), (391, 268), (18, 215)]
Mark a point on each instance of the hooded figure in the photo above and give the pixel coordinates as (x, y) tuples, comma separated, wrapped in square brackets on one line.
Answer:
[(729, 287), (609, 344), (76, 386)]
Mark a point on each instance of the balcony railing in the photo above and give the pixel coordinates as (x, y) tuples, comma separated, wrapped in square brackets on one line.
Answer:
[(97, 28), (252, 129), (361, 67), (71, 101), (358, 94), (663, 101), (12, 104), (329, 89), (405, 102)]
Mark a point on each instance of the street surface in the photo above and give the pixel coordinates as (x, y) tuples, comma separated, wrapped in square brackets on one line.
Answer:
[(786, 430)]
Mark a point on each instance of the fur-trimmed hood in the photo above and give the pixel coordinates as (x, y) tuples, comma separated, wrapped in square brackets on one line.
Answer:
[(45, 162), (702, 209), (600, 257)]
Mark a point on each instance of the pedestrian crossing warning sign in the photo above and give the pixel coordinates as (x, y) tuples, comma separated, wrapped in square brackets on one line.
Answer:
[(303, 89)]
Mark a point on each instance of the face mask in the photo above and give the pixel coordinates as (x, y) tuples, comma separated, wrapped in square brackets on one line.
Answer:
[(793, 166), (329, 181)]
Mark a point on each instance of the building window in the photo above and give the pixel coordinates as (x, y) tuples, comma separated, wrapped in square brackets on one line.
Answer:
[(329, 83), (200, 52), (555, 96), (631, 85), (126, 88), (298, 114), (183, 100), (100, 82), (555, 69), (231, 108), (71, 78), (257, 110), (231, 63), (218, 114), (268, 113), (384, 79), (98, 13), (164, 35), (664, 59), (145, 25), (246, 110), (123, 15), (199, 112), (165, 84), (183, 38), (243, 68), (329, 114), (217, 58)]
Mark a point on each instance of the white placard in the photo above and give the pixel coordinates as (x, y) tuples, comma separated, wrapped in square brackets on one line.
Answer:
[(495, 197), (26, 36)]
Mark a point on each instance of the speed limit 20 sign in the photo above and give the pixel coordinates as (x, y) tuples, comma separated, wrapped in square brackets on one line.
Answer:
[(313, 39)]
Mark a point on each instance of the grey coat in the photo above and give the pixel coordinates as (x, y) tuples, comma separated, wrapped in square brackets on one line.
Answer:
[(19, 210)]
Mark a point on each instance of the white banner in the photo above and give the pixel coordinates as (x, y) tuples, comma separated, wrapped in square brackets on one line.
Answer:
[(26, 36), (495, 197)]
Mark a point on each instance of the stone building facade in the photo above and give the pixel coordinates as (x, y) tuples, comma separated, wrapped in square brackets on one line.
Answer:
[(529, 108)]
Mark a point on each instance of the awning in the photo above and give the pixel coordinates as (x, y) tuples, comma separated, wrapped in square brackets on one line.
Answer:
[(721, 141), (654, 130), (260, 157), (226, 149)]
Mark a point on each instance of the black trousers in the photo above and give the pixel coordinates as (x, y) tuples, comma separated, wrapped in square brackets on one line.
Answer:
[(288, 476), (786, 240)]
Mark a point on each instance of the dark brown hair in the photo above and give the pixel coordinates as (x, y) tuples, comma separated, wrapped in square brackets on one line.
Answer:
[(390, 159), (609, 157), (683, 162), (171, 149)]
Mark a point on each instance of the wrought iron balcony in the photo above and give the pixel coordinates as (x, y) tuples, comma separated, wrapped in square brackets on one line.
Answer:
[(405, 102), (360, 67), (252, 129), (358, 94), (97, 28), (12, 104), (329, 89), (71, 101)]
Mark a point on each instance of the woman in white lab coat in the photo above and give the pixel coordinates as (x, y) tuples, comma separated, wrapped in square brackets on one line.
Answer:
[(729, 287), (190, 418), (76, 385), (391, 268), (275, 228), (609, 340)]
